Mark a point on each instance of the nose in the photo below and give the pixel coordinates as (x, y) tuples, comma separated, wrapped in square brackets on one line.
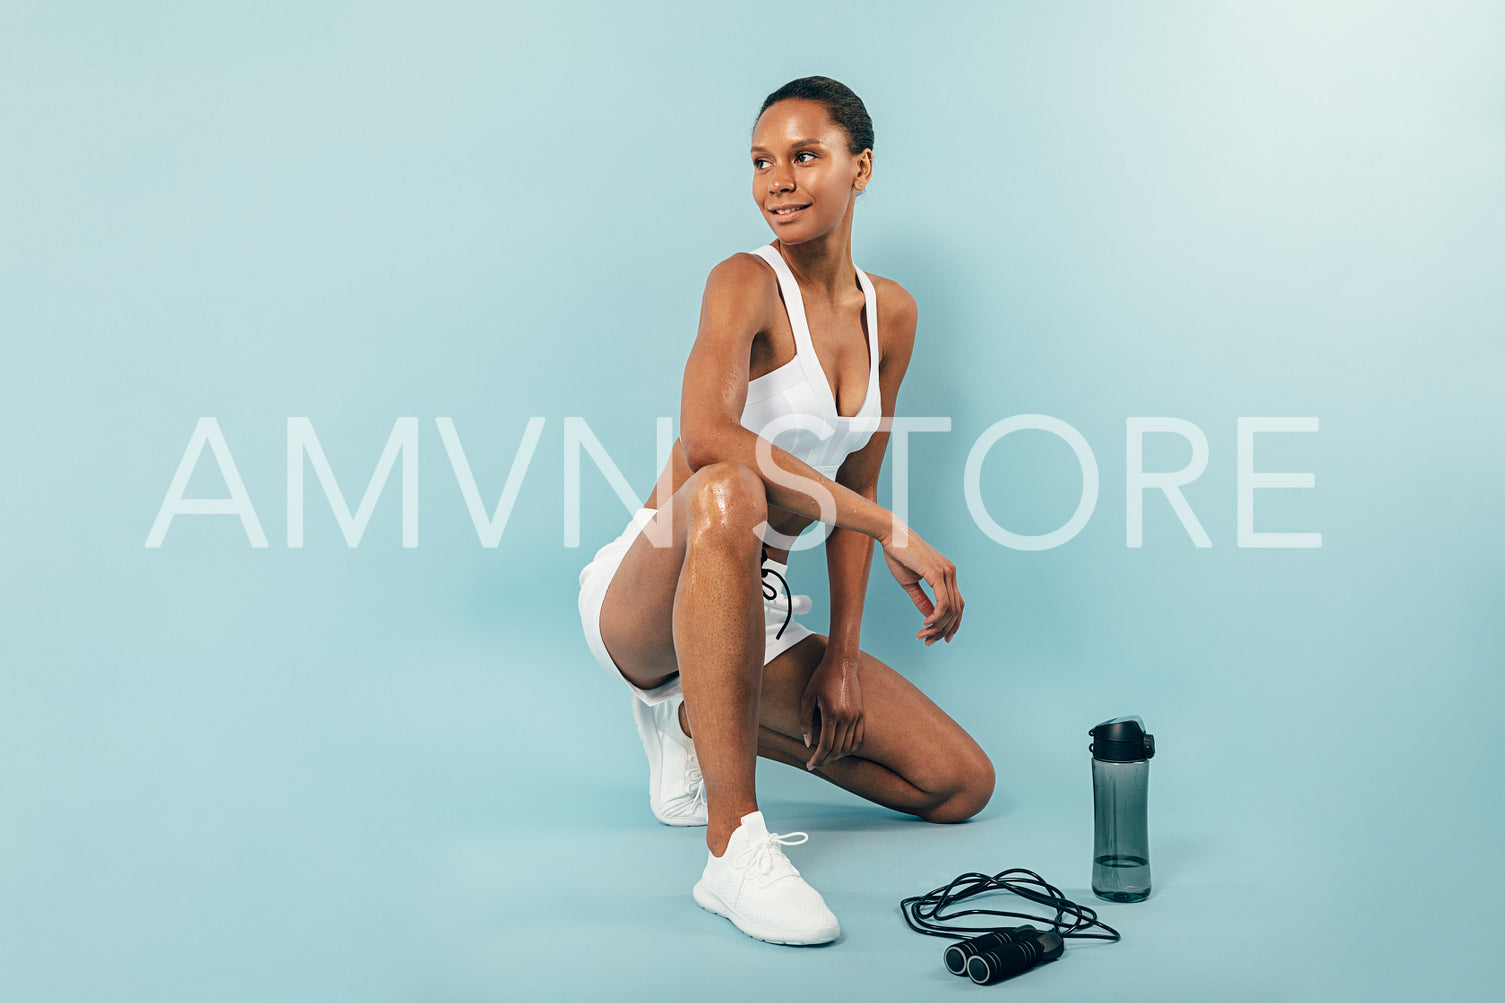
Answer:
[(780, 179)]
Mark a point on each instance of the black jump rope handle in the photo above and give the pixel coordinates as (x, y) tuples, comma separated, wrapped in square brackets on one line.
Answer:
[(957, 955), (1007, 960)]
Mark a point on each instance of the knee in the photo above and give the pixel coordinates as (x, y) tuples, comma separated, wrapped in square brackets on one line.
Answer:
[(727, 497), (968, 794)]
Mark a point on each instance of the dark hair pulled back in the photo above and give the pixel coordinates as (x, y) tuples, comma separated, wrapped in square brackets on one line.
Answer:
[(845, 108)]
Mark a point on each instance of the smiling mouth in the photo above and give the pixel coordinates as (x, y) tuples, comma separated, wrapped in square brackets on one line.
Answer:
[(789, 210)]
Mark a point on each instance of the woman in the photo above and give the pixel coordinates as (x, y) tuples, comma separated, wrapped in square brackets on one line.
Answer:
[(687, 604)]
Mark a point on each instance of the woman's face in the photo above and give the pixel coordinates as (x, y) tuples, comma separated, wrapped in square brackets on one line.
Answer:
[(804, 178)]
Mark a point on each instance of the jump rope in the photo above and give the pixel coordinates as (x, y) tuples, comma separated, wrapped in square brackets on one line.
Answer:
[(990, 954)]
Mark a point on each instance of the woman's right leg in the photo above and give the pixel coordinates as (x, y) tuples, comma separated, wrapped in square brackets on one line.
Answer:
[(695, 607)]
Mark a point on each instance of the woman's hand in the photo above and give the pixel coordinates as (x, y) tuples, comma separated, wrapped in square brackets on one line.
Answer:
[(918, 561), (833, 695)]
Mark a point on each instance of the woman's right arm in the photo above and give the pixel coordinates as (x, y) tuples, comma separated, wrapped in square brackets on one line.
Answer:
[(735, 307)]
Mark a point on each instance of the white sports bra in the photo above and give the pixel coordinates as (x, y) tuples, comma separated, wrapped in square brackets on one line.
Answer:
[(793, 406)]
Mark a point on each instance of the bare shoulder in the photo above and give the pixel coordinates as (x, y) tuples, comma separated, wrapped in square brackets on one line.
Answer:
[(898, 315), (743, 277), (740, 293)]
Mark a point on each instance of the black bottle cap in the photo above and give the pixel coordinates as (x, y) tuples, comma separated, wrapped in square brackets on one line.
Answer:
[(1121, 740)]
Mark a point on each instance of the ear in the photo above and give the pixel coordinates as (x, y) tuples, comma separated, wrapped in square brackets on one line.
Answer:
[(864, 170)]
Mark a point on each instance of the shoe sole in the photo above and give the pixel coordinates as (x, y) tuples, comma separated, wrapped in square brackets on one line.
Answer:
[(642, 716), (711, 902)]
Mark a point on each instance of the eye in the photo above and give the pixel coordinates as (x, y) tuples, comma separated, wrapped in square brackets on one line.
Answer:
[(803, 153), (758, 163)]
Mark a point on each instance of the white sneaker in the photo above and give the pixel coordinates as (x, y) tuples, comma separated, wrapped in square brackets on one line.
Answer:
[(676, 792), (756, 887)]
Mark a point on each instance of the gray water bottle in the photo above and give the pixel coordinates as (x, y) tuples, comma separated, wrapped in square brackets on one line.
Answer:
[(1121, 753)]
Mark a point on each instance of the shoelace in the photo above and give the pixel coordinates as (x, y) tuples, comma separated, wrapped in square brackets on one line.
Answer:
[(769, 592), (695, 783), (764, 856)]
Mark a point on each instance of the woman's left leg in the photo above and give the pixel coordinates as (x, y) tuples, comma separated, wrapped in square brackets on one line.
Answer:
[(913, 758)]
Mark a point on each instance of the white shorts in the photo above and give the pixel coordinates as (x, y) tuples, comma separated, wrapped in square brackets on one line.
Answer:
[(597, 575)]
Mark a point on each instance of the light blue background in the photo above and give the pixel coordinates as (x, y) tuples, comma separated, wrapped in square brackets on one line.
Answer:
[(389, 774)]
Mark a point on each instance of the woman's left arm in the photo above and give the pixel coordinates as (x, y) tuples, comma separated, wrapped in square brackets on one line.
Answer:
[(833, 690)]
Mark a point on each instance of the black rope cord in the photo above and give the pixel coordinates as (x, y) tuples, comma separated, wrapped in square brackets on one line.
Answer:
[(769, 592), (929, 914)]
